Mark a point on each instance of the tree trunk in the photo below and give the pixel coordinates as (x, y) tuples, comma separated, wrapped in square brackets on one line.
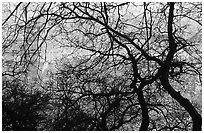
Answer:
[(145, 115), (196, 117)]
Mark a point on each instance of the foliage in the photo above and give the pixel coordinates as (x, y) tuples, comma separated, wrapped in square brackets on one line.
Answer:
[(22, 108)]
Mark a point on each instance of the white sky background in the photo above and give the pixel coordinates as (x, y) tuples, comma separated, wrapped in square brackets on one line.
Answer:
[(53, 51)]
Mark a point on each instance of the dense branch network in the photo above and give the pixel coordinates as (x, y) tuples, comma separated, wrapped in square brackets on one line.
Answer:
[(127, 69)]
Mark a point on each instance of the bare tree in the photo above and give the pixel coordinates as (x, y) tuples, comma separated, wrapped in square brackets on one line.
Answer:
[(154, 46)]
